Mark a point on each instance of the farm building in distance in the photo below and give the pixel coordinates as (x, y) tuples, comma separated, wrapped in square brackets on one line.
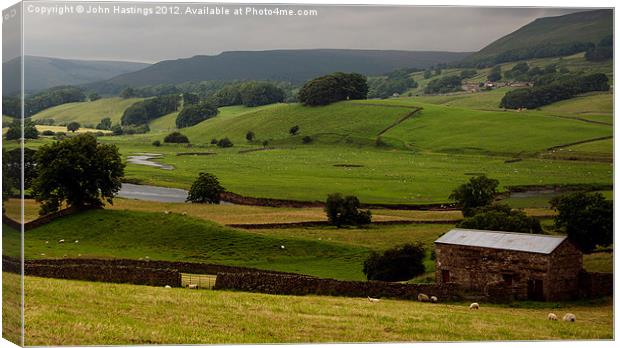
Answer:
[(522, 266)]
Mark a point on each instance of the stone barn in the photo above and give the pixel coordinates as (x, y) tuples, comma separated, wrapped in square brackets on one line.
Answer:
[(511, 265)]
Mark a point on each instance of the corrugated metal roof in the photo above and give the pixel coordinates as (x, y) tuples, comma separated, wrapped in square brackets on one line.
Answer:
[(534, 243)]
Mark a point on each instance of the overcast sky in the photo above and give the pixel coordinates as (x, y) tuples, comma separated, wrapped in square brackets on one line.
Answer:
[(154, 38)]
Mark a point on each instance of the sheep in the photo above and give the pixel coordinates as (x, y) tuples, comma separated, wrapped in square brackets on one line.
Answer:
[(434, 299), (370, 299), (61, 241), (474, 305), (569, 317), (76, 241), (423, 297), (552, 316), (184, 213), (47, 242), (192, 286), (168, 287), (281, 246), (166, 212)]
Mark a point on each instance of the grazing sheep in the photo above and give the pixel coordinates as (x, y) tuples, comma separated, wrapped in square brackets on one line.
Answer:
[(168, 287), (552, 316), (434, 299), (166, 212), (474, 305), (42, 254), (61, 241), (47, 242), (569, 317), (370, 299), (281, 246), (423, 298), (76, 241), (184, 213), (192, 286)]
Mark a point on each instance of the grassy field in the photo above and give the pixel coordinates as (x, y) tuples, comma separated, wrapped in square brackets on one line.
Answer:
[(62, 312), (42, 128), (135, 235), (88, 113)]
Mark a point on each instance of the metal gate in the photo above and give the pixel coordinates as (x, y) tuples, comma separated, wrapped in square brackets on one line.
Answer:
[(200, 281)]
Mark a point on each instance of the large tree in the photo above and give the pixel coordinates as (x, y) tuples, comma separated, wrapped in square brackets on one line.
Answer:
[(396, 264), (332, 88), (587, 219), (77, 171), (14, 131), (478, 192)]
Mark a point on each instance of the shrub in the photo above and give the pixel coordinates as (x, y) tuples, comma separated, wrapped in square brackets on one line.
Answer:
[(14, 131), (48, 133), (332, 88), (249, 136), (587, 219), (478, 192), (444, 85), (157, 143), (117, 129), (495, 74), (73, 126), (501, 218), (344, 211), (265, 143), (195, 113), (176, 138), (396, 264), (307, 139), (294, 130), (213, 141), (206, 189), (104, 124), (224, 143)]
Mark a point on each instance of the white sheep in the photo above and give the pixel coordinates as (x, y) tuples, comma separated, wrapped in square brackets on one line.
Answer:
[(434, 299), (184, 213), (192, 286), (168, 287), (474, 305), (166, 212), (47, 242), (370, 299), (281, 246), (423, 297), (569, 317), (76, 241), (61, 241), (552, 316)]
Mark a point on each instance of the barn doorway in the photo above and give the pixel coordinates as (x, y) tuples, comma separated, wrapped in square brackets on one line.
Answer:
[(445, 276), (535, 290)]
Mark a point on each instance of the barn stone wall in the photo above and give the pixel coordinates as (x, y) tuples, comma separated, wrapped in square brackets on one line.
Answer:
[(505, 274)]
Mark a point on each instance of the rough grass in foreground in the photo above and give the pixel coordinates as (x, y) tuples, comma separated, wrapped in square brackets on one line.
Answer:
[(62, 312)]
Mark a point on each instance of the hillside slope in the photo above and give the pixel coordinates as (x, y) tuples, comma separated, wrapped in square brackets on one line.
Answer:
[(589, 26), (281, 65), (88, 113), (43, 72)]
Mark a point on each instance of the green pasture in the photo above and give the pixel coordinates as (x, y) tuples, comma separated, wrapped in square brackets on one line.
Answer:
[(65, 312), (160, 236)]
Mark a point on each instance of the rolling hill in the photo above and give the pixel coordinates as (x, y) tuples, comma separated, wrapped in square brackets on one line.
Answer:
[(589, 26), (43, 72), (281, 65), (87, 113)]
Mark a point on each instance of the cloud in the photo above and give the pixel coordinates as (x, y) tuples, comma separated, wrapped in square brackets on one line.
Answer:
[(154, 38)]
